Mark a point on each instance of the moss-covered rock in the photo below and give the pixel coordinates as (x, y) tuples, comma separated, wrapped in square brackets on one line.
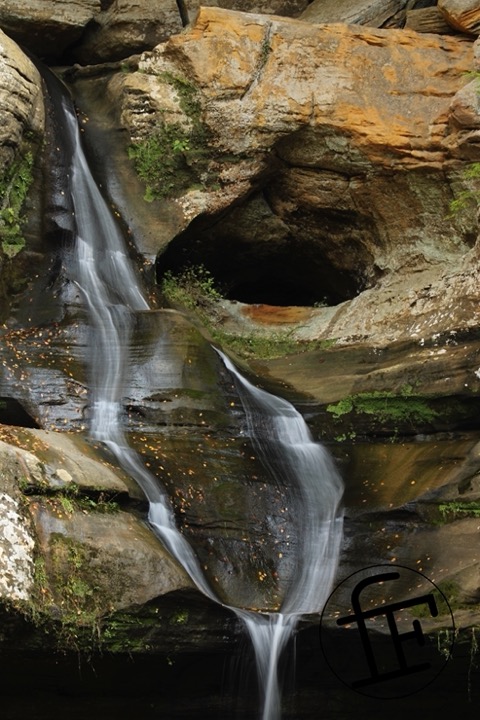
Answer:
[(22, 109)]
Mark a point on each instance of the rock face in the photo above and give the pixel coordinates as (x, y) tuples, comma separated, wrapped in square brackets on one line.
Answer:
[(318, 153), (464, 15), (70, 550), (91, 31), (375, 13), (21, 134), (21, 101), (126, 28), (331, 188), (317, 176), (336, 120), (47, 28), (429, 20)]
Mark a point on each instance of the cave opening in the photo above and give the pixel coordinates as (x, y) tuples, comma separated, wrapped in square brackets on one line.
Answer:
[(13, 413), (271, 291), (255, 257), (284, 277)]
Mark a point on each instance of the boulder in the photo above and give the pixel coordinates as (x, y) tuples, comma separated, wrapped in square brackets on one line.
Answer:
[(322, 148), (68, 547), (428, 20), (463, 15), (21, 101), (123, 29), (375, 13), (92, 31), (329, 182), (340, 119), (289, 8), (47, 28), (131, 27), (360, 12)]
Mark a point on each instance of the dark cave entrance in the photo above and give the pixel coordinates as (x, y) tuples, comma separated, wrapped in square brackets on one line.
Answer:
[(263, 274), (256, 257), (13, 413), (271, 291)]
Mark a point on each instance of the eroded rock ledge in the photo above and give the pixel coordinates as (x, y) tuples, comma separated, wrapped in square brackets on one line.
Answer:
[(298, 169)]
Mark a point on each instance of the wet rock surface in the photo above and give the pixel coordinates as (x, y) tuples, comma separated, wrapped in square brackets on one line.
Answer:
[(393, 388)]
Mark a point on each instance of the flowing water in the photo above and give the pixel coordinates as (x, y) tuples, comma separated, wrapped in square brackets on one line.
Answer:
[(112, 292)]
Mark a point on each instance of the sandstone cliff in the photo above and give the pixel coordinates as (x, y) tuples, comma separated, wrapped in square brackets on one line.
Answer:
[(345, 176), (317, 165), (21, 100)]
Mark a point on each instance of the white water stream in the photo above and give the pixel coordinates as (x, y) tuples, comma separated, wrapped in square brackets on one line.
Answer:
[(113, 294)]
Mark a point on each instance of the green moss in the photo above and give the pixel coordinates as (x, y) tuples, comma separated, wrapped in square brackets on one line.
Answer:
[(14, 186), (195, 289), (447, 598), (386, 406), (188, 96), (175, 157), (341, 408), (64, 602), (454, 509), (264, 347), (180, 617), (160, 161), (67, 505), (126, 633), (70, 498)]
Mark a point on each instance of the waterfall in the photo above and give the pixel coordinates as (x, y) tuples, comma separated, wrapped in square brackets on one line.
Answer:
[(283, 442), (112, 292)]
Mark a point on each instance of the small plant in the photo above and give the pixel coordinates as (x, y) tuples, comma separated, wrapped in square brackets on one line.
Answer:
[(67, 505), (455, 508), (194, 287), (180, 617), (160, 160), (467, 197), (265, 51), (175, 157)]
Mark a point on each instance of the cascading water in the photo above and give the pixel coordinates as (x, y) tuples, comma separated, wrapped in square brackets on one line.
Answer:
[(103, 273), (283, 441), (113, 295)]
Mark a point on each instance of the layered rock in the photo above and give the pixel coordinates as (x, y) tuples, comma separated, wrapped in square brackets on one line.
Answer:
[(464, 15), (68, 547), (21, 101), (430, 20), (21, 134), (121, 30), (47, 28), (333, 138), (374, 13), (306, 168), (363, 113), (329, 182), (127, 28), (91, 31)]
